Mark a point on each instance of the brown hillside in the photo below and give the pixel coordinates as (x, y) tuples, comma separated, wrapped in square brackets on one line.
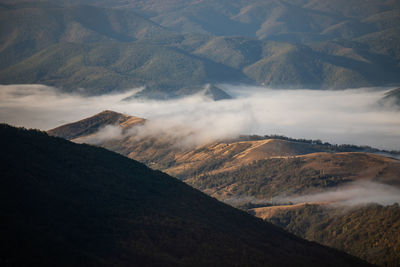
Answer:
[(298, 175), (93, 124), (260, 169)]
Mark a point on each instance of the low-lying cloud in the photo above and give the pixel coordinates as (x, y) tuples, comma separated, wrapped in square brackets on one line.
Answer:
[(356, 193), (346, 116)]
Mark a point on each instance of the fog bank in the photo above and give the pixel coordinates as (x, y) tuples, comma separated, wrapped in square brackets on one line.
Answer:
[(356, 193), (339, 117)]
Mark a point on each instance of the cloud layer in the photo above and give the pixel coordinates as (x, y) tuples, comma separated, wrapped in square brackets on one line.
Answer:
[(356, 193), (346, 116)]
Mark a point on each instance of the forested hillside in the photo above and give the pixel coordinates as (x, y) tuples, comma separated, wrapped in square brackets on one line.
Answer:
[(369, 232)]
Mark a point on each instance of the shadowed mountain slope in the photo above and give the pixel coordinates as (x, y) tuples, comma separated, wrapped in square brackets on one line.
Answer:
[(70, 204)]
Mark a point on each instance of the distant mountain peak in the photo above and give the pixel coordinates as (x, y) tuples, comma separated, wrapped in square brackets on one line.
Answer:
[(215, 93), (391, 99)]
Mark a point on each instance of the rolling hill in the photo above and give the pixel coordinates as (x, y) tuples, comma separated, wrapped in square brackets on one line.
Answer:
[(253, 173), (260, 168), (28, 27), (106, 67), (277, 19), (300, 175), (69, 204)]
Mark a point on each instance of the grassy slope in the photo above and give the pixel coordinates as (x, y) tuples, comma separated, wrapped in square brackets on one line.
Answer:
[(93, 124), (298, 175)]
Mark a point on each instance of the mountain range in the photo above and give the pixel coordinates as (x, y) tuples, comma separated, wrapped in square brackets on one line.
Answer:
[(271, 166), (116, 189), (175, 48), (253, 173), (69, 204)]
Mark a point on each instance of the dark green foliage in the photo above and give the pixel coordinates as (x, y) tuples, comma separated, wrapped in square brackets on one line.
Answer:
[(370, 232), (70, 204)]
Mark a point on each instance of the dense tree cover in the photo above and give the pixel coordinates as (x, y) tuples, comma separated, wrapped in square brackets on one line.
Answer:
[(69, 204), (111, 66), (371, 232)]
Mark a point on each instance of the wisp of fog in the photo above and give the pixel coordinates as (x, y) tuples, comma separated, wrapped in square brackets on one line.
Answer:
[(353, 194), (356, 193), (339, 117)]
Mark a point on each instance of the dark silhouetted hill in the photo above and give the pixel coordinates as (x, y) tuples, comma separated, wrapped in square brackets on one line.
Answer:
[(70, 204)]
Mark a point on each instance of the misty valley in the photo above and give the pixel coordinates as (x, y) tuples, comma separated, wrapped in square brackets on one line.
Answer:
[(343, 196), (200, 133)]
